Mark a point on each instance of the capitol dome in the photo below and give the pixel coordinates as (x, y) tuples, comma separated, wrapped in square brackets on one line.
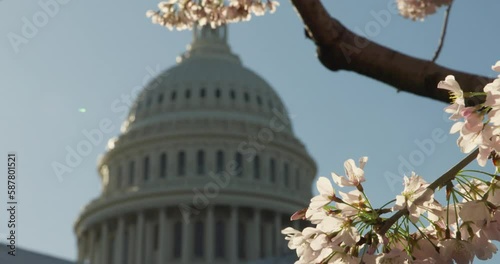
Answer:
[(208, 82), (207, 168)]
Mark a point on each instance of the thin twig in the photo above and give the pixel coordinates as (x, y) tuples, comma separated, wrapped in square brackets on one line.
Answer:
[(439, 182), (443, 32), (451, 173)]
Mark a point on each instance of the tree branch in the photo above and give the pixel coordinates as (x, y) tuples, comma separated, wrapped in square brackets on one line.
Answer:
[(443, 32), (339, 48)]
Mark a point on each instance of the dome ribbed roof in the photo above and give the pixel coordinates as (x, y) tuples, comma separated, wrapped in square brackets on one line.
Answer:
[(209, 81)]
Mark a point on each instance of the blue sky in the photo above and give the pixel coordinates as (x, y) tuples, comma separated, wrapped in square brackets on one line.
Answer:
[(90, 53)]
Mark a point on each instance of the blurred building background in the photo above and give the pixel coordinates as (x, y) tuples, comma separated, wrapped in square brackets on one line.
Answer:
[(207, 169)]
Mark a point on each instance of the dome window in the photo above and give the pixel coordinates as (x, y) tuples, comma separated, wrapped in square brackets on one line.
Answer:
[(163, 165), (188, 94), (297, 179), (259, 100), (232, 94), (247, 97), (256, 167), (239, 164), (160, 98), (181, 163), (200, 162), (131, 172), (219, 161), (173, 95), (119, 177), (272, 170), (203, 92), (286, 175), (217, 93), (146, 168)]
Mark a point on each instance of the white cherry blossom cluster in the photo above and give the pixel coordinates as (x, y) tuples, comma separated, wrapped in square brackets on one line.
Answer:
[(184, 14), (346, 228), (419, 9), (478, 125)]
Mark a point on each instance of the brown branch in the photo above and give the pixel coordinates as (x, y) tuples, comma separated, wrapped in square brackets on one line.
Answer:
[(443, 32), (339, 48), (451, 173)]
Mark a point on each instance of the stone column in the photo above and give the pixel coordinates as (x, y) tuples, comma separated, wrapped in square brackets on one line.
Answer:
[(80, 249), (268, 238), (279, 237), (233, 232), (162, 245), (148, 250), (186, 241), (92, 247), (139, 257), (210, 235), (104, 243), (130, 247), (119, 240), (255, 241), (86, 246)]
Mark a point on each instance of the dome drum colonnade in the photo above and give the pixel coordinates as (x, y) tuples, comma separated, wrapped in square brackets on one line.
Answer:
[(207, 169)]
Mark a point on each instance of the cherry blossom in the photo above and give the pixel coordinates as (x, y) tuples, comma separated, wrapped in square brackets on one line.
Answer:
[(492, 229), (419, 9), (184, 14), (354, 175), (396, 256), (346, 232), (341, 257), (480, 127), (326, 193), (476, 212), (496, 67), (470, 131), (483, 248), (462, 252), (291, 235), (349, 229), (456, 96), (352, 203), (415, 197), (425, 252)]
